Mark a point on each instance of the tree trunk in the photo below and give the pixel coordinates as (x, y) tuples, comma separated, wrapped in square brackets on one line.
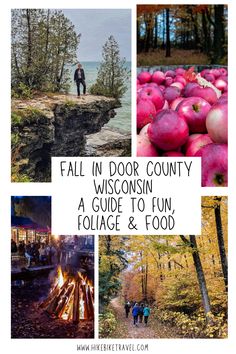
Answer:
[(138, 36), (148, 37), (220, 237), (167, 33), (206, 40), (219, 33), (29, 44), (155, 32), (146, 281), (163, 30), (197, 43), (200, 276)]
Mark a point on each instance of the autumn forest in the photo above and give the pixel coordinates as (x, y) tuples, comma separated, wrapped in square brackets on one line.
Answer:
[(181, 34), (182, 279)]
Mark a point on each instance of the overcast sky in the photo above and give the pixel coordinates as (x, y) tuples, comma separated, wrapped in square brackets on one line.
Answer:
[(96, 25)]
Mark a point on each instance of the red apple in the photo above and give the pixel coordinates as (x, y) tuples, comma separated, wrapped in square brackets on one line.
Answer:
[(144, 77), (178, 84), (152, 84), (170, 73), (210, 78), (162, 88), (145, 147), (191, 138), (205, 72), (181, 79), (172, 154), (168, 131), (146, 111), (154, 94), (215, 72), (166, 105), (158, 77), (221, 85), (180, 71), (197, 144), (169, 81), (175, 103), (188, 88), (194, 110), (214, 165), (207, 93), (223, 71), (171, 93), (217, 123), (223, 98)]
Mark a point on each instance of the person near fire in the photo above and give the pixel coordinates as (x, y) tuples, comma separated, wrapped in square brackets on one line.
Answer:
[(30, 253), (42, 254), (79, 78)]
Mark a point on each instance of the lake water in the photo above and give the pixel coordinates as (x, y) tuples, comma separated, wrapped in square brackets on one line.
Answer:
[(122, 120)]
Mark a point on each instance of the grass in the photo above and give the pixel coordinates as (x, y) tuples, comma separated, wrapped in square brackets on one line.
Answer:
[(178, 57)]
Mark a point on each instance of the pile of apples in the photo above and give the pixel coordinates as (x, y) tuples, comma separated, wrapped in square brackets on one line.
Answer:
[(184, 113)]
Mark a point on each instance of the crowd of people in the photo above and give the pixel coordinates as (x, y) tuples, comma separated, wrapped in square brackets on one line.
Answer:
[(39, 253), (140, 312), (56, 251)]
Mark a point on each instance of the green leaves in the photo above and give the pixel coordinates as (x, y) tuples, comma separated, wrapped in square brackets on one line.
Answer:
[(113, 74), (44, 43)]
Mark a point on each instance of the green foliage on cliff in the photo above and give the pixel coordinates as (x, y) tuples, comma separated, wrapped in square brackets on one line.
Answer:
[(26, 115), (22, 91), (16, 176), (44, 44), (15, 139), (112, 74)]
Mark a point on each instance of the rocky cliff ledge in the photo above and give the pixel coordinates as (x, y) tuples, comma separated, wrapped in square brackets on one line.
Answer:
[(56, 125)]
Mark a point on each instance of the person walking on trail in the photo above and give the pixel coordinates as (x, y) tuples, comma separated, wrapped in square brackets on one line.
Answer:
[(146, 314), (141, 308), (79, 78), (135, 313), (127, 309)]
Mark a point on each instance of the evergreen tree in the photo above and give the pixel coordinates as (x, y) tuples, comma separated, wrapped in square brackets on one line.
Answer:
[(112, 73), (44, 43)]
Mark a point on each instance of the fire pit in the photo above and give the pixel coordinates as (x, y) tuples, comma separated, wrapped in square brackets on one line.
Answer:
[(71, 298)]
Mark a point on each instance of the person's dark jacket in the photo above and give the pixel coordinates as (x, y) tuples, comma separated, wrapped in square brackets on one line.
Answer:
[(127, 307), (76, 78), (13, 247), (141, 308)]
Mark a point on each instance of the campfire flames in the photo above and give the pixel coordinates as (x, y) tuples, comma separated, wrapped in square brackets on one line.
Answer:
[(71, 298)]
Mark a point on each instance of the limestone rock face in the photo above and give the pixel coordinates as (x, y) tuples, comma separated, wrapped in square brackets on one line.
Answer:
[(57, 125)]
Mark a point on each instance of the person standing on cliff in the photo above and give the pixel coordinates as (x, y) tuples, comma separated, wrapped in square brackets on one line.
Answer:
[(79, 78)]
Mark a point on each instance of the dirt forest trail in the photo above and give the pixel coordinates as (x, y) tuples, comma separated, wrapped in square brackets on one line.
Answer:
[(126, 329)]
